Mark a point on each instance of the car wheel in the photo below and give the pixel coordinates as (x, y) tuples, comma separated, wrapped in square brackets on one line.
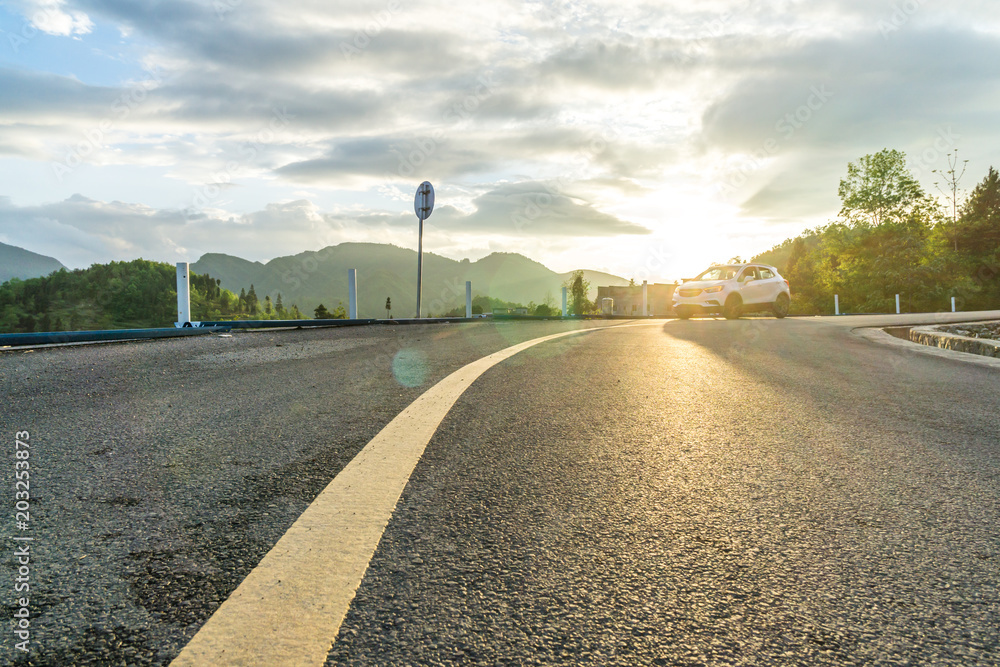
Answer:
[(734, 307), (683, 313), (780, 306)]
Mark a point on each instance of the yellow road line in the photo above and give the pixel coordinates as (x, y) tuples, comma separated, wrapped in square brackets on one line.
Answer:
[(289, 608)]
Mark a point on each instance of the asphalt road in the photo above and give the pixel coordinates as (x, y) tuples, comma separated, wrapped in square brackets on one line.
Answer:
[(703, 492)]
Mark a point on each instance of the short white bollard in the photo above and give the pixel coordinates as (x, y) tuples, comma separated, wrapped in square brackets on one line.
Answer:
[(468, 299), (953, 304), (352, 293), (836, 304), (897, 304)]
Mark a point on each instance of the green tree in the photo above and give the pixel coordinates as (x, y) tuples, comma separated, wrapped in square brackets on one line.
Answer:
[(578, 289), (977, 237), (978, 229), (800, 271), (878, 188), (322, 313), (339, 313), (252, 302), (550, 300), (952, 178)]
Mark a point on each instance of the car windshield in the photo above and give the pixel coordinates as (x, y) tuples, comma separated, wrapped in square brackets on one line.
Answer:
[(719, 273)]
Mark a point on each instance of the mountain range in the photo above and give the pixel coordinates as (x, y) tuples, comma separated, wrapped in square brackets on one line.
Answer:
[(387, 271), (20, 263)]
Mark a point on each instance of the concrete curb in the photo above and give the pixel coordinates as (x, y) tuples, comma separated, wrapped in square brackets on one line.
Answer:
[(935, 337)]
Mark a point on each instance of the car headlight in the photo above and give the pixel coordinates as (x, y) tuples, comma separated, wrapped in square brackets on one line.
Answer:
[(714, 290)]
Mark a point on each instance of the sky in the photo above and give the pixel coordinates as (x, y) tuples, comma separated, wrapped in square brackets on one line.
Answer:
[(647, 139)]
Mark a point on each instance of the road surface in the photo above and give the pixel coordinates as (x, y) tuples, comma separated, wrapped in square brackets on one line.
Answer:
[(756, 491)]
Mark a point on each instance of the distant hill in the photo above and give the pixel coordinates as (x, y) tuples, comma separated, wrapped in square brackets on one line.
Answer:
[(20, 263), (315, 277)]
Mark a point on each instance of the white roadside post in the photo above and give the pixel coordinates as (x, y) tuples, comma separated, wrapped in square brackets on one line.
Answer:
[(897, 304), (645, 302), (423, 204), (564, 311), (953, 304), (836, 304), (183, 295), (468, 299), (352, 293)]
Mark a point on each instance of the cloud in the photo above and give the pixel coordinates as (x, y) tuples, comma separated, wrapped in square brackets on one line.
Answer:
[(42, 98), (390, 158), (624, 105), (273, 40), (540, 209), (80, 231), (51, 16), (824, 103), (573, 153), (784, 196), (857, 89)]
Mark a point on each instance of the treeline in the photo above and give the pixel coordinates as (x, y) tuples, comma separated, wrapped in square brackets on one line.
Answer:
[(142, 294), (577, 289), (488, 304), (123, 295), (891, 237)]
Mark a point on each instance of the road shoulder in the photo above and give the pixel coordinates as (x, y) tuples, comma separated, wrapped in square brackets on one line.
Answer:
[(877, 335)]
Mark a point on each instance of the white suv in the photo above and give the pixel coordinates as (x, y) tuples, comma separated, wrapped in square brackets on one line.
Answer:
[(733, 289)]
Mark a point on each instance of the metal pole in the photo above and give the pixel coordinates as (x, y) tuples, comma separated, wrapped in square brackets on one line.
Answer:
[(183, 295), (836, 304), (423, 204), (352, 293), (953, 304), (897, 304), (468, 299), (564, 311), (420, 262), (645, 302)]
